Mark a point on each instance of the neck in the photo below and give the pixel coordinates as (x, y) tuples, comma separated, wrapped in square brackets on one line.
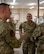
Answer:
[(30, 21)]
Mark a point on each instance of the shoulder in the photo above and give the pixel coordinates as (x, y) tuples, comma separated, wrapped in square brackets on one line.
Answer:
[(24, 23), (3, 27), (41, 25), (34, 24)]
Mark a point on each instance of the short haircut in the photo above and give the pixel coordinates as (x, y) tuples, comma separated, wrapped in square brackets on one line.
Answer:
[(4, 4)]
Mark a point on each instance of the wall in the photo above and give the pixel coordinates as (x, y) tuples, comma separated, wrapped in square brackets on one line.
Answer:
[(22, 12)]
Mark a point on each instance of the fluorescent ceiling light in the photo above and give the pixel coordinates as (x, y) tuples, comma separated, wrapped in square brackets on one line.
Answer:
[(12, 3), (12, 7), (41, 2), (30, 4), (41, 7), (32, 7)]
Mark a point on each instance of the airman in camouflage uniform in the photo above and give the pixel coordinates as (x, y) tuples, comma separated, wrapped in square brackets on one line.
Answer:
[(38, 35), (28, 28), (5, 37)]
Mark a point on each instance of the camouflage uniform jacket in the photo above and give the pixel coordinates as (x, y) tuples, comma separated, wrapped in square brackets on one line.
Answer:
[(5, 38), (39, 31), (38, 34), (28, 28)]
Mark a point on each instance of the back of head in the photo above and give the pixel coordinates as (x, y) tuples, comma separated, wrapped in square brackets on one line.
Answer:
[(2, 9), (3, 5)]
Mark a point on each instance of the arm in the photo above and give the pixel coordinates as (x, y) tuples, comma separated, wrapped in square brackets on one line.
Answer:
[(36, 33), (4, 34), (20, 31)]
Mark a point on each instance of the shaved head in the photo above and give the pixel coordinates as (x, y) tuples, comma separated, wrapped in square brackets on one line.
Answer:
[(3, 10), (2, 6)]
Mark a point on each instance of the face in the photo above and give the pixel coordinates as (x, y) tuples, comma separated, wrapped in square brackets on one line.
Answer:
[(29, 17), (7, 12)]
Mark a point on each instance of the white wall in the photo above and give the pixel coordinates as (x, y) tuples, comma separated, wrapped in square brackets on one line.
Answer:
[(22, 12)]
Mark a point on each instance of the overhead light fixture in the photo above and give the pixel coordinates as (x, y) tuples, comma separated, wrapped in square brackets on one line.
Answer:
[(12, 7), (41, 2), (31, 4), (12, 3), (41, 7), (32, 7)]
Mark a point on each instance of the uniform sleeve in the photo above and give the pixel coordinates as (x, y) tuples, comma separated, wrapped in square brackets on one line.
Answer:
[(20, 28), (2, 31), (37, 32), (5, 33), (35, 25), (14, 42), (12, 25)]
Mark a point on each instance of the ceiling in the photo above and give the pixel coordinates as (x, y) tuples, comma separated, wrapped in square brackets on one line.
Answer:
[(24, 3)]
